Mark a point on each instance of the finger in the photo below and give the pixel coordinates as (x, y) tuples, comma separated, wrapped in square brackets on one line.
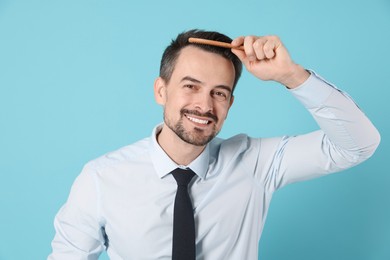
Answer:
[(258, 46), (270, 47), (248, 47), (238, 41), (241, 55)]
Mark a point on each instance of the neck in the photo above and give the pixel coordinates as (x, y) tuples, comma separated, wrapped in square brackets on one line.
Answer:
[(179, 151)]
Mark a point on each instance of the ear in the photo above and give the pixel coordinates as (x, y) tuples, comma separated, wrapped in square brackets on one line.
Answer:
[(160, 91), (230, 105), (231, 101)]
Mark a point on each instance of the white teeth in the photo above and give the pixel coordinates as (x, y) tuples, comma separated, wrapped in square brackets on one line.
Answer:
[(199, 121)]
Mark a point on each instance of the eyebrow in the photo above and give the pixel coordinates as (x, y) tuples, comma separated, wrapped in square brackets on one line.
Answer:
[(189, 78)]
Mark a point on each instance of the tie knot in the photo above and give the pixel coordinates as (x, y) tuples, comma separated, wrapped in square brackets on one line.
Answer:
[(183, 176)]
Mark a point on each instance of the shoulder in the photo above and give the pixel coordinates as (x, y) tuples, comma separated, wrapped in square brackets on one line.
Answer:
[(236, 141), (124, 154), (242, 143), (236, 144)]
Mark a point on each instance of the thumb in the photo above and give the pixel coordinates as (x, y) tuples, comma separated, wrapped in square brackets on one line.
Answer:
[(241, 55)]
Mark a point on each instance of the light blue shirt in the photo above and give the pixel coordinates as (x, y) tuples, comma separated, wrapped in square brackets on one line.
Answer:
[(123, 201)]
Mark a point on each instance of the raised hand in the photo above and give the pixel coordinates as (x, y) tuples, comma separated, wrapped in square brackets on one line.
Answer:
[(267, 59)]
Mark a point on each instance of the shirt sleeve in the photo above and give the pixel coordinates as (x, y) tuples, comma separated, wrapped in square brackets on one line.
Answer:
[(79, 233), (345, 139)]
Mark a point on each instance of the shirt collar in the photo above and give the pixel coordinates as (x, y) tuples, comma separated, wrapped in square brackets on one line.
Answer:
[(163, 164)]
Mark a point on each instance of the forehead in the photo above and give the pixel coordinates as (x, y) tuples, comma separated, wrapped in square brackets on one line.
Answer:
[(198, 53), (196, 62)]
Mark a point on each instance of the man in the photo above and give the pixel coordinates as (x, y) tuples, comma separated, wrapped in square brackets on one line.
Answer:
[(124, 201)]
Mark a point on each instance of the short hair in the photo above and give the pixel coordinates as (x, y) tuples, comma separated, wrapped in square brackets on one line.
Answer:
[(172, 52)]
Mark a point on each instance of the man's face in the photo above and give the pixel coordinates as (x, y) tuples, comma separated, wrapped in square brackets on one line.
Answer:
[(198, 97)]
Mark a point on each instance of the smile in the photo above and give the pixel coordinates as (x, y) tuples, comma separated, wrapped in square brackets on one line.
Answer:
[(197, 120)]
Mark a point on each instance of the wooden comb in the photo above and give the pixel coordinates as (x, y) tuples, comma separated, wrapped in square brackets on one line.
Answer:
[(214, 43)]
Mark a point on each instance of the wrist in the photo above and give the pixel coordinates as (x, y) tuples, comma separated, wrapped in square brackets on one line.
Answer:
[(295, 77)]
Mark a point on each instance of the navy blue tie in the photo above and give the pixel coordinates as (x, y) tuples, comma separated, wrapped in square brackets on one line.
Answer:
[(183, 244)]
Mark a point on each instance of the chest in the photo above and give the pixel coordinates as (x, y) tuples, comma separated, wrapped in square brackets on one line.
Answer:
[(138, 213)]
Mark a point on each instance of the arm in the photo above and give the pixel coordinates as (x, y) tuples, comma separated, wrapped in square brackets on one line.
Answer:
[(347, 137), (79, 234)]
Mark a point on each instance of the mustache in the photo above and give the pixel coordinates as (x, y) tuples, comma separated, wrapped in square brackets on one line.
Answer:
[(197, 113)]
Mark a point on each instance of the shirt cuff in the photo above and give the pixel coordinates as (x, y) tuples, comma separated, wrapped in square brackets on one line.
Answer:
[(314, 91)]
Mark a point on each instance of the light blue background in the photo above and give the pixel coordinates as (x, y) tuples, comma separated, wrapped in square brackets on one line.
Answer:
[(76, 81)]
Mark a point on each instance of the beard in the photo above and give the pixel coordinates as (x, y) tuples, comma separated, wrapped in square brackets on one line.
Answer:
[(196, 136)]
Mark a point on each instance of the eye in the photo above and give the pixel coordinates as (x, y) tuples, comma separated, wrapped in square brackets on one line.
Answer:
[(220, 95), (191, 87)]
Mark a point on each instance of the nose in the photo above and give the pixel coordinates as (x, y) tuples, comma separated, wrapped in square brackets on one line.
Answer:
[(204, 103)]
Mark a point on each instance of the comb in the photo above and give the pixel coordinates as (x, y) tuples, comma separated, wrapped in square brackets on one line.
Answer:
[(214, 43)]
